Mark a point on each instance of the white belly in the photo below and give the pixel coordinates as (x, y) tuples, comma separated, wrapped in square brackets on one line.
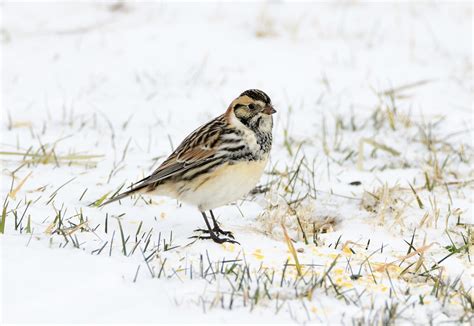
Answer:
[(224, 185)]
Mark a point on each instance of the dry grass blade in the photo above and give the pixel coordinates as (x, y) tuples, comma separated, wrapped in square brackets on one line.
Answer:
[(99, 201), (292, 250), (65, 157), (418, 200), (49, 156), (418, 251), (50, 227), (381, 146), (377, 145), (394, 90), (13, 193), (4, 218), (70, 231)]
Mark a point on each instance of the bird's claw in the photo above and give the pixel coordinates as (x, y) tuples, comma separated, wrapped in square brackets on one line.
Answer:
[(218, 231), (215, 239)]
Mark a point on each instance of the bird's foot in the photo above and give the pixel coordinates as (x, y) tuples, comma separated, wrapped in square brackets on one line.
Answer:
[(218, 231), (214, 238)]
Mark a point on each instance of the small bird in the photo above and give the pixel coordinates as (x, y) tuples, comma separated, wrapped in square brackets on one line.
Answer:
[(217, 163)]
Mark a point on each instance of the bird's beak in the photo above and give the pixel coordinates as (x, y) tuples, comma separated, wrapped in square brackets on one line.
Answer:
[(269, 110)]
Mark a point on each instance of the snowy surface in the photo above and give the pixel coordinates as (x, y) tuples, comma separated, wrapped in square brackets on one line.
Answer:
[(129, 82)]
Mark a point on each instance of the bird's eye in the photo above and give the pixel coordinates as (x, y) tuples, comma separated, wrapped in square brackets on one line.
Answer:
[(252, 106)]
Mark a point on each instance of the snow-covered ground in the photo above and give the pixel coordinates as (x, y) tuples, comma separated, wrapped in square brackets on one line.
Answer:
[(371, 171)]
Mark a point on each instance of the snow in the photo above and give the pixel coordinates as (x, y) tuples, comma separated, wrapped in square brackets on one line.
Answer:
[(130, 81)]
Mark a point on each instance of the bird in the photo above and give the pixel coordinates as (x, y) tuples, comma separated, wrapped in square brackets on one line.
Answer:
[(218, 163)]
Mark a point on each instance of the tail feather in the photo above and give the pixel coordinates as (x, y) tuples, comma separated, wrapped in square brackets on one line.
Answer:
[(136, 187), (121, 196)]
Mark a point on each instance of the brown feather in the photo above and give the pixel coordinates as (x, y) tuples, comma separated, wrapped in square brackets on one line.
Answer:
[(192, 151)]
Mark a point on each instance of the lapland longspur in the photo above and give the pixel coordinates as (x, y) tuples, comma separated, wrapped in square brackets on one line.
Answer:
[(219, 162)]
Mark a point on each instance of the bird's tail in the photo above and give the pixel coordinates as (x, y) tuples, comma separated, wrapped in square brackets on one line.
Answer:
[(121, 196)]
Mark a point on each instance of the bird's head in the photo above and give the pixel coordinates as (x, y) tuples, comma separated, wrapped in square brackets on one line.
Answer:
[(254, 109)]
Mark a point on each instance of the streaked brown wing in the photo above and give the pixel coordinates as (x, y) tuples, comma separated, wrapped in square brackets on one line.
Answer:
[(199, 147)]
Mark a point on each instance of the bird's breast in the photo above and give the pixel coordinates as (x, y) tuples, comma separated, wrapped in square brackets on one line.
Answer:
[(225, 184)]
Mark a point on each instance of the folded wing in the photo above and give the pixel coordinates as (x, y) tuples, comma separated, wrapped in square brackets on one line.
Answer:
[(197, 149)]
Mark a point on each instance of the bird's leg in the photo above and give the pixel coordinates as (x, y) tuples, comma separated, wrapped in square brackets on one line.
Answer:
[(217, 229), (211, 231)]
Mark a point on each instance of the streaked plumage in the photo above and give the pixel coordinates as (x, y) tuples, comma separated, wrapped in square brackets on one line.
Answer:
[(219, 162)]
